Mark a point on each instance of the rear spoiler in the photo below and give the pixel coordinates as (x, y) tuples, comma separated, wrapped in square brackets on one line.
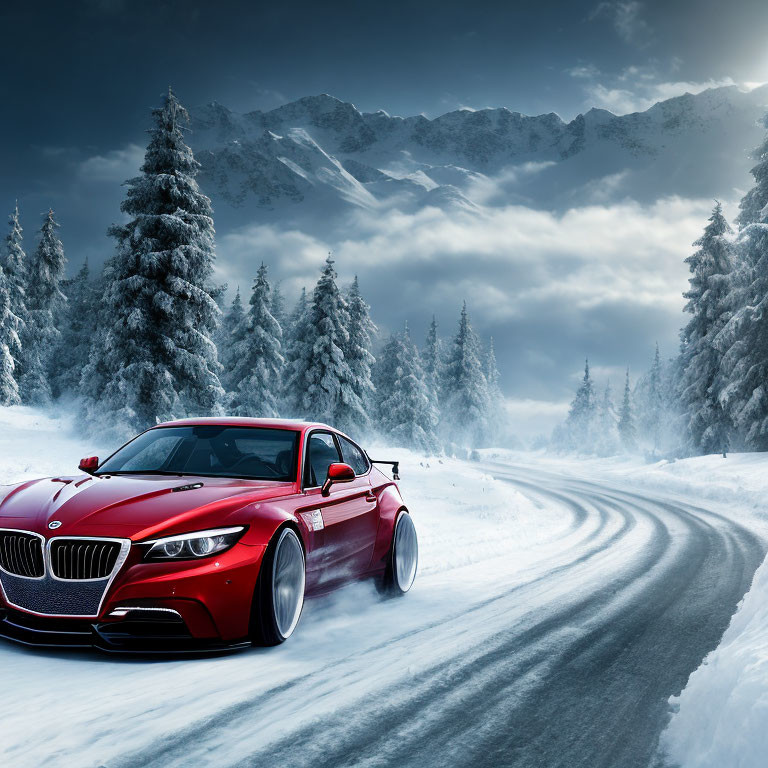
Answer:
[(395, 466)]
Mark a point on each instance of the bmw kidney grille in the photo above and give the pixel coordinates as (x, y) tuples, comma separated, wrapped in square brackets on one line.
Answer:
[(64, 576), (21, 554)]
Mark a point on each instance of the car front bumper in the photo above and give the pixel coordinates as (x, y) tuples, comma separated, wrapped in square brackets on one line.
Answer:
[(152, 607), (138, 632)]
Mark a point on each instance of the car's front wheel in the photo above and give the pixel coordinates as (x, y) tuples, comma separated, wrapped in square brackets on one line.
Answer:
[(279, 594), (403, 557)]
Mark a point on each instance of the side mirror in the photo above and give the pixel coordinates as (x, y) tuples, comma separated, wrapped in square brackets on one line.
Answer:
[(337, 473), (89, 464)]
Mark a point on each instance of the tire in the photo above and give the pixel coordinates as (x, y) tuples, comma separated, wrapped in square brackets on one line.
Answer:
[(279, 595), (403, 558)]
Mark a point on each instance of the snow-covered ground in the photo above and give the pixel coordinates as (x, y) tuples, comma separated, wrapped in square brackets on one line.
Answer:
[(499, 560), (38, 444)]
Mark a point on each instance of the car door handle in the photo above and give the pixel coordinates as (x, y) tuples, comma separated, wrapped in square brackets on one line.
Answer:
[(370, 497)]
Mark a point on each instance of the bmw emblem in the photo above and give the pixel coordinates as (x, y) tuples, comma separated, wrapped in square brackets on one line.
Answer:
[(54, 524)]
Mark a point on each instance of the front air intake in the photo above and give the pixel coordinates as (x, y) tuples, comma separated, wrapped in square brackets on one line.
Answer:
[(21, 554), (83, 559)]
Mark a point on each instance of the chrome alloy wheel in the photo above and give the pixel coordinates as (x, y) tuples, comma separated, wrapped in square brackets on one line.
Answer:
[(288, 576), (406, 553)]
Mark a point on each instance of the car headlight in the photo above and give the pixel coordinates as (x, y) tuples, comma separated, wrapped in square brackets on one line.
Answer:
[(191, 546)]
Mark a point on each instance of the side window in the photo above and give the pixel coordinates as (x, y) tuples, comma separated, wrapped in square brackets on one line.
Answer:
[(322, 453), (353, 456)]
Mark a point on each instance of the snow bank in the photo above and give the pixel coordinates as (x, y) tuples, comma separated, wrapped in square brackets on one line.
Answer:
[(739, 481), (737, 484), (721, 718)]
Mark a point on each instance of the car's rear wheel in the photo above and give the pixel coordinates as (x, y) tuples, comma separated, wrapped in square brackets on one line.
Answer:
[(403, 557), (279, 594)]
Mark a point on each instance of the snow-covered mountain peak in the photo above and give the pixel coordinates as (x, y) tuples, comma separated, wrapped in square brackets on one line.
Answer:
[(597, 115), (266, 164)]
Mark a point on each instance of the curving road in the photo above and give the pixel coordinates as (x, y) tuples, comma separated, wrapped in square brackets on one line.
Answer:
[(566, 660), (641, 591)]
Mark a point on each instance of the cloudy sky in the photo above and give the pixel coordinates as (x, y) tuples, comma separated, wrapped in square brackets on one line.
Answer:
[(79, 78)]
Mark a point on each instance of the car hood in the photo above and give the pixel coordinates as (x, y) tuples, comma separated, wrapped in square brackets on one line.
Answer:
[(136, 506)]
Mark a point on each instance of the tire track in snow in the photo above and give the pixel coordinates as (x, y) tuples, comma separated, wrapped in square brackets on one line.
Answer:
[(454, 700)]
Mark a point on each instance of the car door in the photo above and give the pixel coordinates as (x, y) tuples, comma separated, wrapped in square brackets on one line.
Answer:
[(344, 522)]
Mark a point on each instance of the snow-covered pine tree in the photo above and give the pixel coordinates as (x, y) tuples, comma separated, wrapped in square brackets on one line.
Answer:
[(580, 426), (627, 431), (9, 345), (466, 403), (706, 424), (76, 333), (45, 307), (358, 352), (296, 338), (320, 379), (14, 263), (405, 412), (156, 359), (497, 412), (492, 375), (432, 358), (218, 293), (297, 316), (752, 206), (607, 434), (385, 371), (277, 308), (744, 394), (650, 399), (258, 362), (228, 330)]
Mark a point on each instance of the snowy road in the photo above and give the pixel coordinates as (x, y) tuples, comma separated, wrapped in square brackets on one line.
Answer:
[(560, 653)]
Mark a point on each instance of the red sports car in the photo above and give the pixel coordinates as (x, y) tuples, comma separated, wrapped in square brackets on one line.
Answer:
[(199, 534)]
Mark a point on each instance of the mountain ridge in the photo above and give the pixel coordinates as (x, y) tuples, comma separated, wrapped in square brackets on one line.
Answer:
[(318, 156)]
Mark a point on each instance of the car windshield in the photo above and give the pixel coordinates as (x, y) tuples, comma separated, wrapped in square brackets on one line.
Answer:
[(253, 453)]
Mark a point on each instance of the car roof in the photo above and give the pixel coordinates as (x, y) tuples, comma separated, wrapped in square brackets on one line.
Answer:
[(243, 421)]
